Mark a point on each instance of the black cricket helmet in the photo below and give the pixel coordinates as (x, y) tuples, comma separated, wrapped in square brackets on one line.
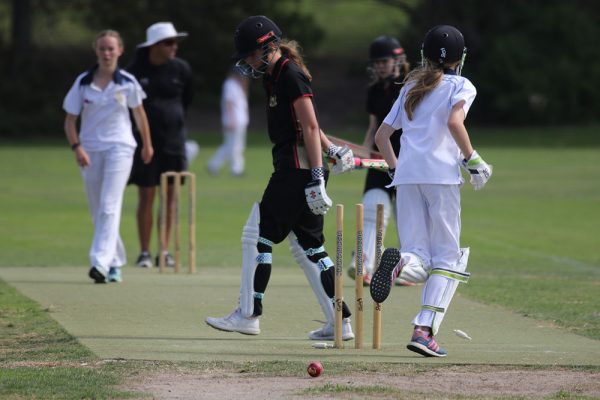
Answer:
[(385, 47), (444, 44), (254, 33)]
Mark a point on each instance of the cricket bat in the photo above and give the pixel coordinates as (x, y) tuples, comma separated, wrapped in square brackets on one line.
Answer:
[(368, 163), (358, 150)]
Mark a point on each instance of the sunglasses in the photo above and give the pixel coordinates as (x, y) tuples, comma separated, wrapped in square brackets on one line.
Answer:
[(169, 42)]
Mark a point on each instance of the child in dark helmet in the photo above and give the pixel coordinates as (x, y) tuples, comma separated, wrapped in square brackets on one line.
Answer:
[(388, 68), (295, 199), (430, 110)]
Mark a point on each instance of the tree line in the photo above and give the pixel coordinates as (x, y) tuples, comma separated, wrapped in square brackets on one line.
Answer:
[(533, 61)]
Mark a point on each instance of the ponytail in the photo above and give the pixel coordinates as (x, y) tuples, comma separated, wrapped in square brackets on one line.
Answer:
[(425, 79), (291, 49)]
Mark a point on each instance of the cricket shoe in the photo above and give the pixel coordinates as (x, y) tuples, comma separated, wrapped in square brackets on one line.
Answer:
[(389, 269), (235, 322), (169, 260), (144, 260), (114, 275), (425, 344), (98, 274), (327, 332)]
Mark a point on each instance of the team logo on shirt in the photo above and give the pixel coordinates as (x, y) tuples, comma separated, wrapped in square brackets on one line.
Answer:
[(120, 98), (273, 101)]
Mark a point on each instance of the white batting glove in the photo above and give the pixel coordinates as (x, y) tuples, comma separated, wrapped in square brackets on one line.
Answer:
[(344, 158), (479, 170), (316, 196)]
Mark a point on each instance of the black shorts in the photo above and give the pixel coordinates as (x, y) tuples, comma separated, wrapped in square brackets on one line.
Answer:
[(283, 209), (379, 180), (148, 175)]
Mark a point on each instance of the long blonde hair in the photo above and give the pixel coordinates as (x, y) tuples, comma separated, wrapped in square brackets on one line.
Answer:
[(292, 50), (425, 78)]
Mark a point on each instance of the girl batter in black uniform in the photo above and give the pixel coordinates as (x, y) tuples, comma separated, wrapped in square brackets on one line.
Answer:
[(295, 199), (388, 67)]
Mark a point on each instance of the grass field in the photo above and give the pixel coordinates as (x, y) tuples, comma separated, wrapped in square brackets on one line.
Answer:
[(533, 232)]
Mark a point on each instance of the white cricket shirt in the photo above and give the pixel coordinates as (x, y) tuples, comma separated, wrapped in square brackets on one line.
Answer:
[(104, 113), (428, 152)]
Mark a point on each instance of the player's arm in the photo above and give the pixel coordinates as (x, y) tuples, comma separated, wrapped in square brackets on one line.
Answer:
[(456, 125), (479, 171), (305, 112), (141, 121), (81, 156), (382, 139)]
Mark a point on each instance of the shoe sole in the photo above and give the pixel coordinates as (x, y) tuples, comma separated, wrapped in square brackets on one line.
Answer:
[(381, 283), (253, 333), (96, 276), (144, 265), (423, 350)]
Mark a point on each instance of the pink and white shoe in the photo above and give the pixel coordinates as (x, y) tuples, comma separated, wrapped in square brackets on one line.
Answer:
[(425, 344)]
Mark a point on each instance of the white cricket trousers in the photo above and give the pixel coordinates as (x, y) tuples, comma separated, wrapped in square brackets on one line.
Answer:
[(232, 151), (429, 226), (105, 180)]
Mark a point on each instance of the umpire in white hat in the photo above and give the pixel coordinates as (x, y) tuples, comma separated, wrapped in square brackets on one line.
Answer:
[(167, 80)]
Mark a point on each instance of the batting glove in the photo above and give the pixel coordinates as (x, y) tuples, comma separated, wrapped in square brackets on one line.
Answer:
[(344, 158), (316, 196), (479, 170)]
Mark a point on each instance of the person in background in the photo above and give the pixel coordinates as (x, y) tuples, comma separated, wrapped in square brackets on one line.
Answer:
[(430, 110), (234, 119), (167, 80), (104, 147), (388, 68)]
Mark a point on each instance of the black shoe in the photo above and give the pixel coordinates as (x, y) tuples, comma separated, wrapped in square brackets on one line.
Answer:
[(389, 269), (96, 275)]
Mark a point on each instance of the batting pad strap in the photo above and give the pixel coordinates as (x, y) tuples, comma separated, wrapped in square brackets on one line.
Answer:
[(264, 241), (312, 252), (454, 275), (325, 263), (264, 258), (433, 308), (259, 296)]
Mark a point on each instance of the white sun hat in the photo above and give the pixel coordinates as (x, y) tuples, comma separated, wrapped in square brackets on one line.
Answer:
[(161, 31)]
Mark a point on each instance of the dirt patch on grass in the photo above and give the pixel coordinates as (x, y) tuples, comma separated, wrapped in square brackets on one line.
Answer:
[(438, 383)]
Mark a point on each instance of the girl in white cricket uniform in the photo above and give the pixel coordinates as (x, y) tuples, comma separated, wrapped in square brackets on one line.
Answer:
[(430, 110), (104, 147), (234, 119)]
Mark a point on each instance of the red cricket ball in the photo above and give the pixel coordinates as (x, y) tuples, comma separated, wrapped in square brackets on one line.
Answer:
[(314, 369)]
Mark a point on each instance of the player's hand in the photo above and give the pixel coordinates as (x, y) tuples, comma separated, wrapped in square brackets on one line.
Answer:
[(82, 157), (147, 153), (344, 158), (316, 197), (479, 170)]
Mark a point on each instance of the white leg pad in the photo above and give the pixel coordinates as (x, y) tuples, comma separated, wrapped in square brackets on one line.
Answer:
[(439, 291), (313, 275), (250, 236), (370, 200)]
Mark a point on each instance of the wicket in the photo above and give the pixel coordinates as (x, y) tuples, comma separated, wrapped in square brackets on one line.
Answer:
[(358, 279), (174, 212)]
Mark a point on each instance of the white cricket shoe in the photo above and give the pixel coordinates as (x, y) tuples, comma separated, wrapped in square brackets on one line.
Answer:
[(235, 322), (327, 331)]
